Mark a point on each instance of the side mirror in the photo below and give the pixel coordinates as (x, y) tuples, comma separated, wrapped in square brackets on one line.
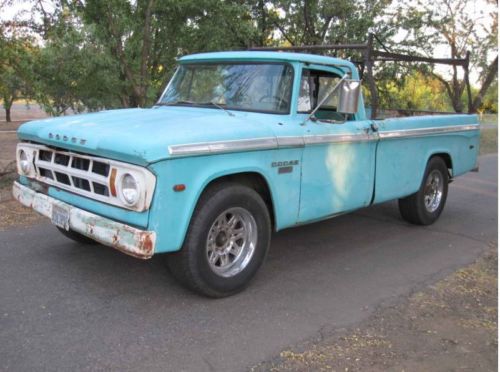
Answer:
[(349, 96)]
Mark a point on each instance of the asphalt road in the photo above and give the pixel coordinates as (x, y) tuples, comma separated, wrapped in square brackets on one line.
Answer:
[(70, 307)]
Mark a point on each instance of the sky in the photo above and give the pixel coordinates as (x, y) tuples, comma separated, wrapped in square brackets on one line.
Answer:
[(9, 11)]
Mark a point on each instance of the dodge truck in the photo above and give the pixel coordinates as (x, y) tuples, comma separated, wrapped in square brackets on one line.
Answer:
[(239, 144)]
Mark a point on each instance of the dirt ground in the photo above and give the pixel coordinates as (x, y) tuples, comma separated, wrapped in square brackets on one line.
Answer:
[(8, 141), (448, 326), (13, 214)]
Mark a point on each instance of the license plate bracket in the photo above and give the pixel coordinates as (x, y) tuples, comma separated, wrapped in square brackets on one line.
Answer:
[(60, 216)]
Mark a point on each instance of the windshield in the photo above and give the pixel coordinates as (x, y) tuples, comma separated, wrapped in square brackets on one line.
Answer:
[(262, 87)]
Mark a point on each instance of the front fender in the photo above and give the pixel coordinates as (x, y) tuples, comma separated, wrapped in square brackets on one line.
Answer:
[(171, 211)]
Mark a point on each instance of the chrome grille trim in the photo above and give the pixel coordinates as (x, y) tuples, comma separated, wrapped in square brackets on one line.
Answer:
[(94, 180)]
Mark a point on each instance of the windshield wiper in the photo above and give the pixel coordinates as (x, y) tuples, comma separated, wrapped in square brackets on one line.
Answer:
[(218, 106), (175, 103), (182, 102)]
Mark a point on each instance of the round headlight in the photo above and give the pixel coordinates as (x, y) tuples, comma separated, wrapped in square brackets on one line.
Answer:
[(130, 189), (24, 162)]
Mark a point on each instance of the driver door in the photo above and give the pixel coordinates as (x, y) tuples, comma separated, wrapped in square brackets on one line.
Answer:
[(338, 164)]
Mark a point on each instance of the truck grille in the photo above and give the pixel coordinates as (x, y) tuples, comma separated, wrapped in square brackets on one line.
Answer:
[(90, 176), (80, 173)]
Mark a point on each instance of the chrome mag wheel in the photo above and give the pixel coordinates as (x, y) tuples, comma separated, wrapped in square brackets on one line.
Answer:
[(231, 242), (433, 192)]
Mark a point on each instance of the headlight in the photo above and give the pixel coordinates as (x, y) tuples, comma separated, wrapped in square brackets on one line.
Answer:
[(130, 189), (24, 162)]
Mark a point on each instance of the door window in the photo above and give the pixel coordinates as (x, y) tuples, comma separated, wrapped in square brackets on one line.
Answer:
[(314, 86)]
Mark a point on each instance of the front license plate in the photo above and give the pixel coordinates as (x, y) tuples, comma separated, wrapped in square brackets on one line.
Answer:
[(60, 217)]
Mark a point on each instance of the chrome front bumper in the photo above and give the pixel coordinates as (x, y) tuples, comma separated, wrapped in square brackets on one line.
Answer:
[(127, 239)]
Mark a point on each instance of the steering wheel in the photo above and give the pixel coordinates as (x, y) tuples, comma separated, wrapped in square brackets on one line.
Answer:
[(274, 99)]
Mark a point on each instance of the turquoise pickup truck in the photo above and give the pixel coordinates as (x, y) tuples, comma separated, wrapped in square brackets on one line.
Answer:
[(240, 144)]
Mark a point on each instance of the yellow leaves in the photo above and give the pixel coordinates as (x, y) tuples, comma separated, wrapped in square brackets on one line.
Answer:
[(417, 91)]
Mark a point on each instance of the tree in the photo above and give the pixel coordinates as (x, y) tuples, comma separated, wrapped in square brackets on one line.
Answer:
[(119, 53), (309, 22), (15, 70), (414, 91), (490, 100), (452, 25), (72, 73)]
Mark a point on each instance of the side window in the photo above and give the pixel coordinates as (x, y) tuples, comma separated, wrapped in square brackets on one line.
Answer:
[(326, 84), (314, 85), (306, 94)]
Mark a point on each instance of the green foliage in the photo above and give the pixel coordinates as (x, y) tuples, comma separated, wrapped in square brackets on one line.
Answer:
[(72, 72), (415, 91), (329, 22), (490, 100), (456, 26), (15, 70)]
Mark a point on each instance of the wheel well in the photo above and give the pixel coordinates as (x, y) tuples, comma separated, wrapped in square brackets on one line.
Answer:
[(447, 159), (254, 181)]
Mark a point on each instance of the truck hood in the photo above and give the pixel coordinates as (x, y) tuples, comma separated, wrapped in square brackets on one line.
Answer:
[(142, 136)]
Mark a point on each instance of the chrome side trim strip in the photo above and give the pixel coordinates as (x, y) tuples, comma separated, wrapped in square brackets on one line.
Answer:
[(271, 143), (223, 146), (264, 144), (338, 138), (405, 133), (297, 141)]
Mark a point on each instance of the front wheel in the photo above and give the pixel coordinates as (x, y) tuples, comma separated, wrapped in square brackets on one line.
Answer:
[(425, 206), (227, 241)]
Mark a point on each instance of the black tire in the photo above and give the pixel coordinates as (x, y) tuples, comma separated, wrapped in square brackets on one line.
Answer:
[(191, 267), (77, 237), (413, 208)]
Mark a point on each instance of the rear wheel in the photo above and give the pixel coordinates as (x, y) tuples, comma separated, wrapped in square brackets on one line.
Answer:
[(425, 206), (227, 241), (77, 237)]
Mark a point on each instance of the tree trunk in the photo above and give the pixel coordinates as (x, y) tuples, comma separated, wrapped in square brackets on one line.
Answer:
[(7, 105), (145, 54), (456, 101), (490, 76), (369, 77), (261, 21)]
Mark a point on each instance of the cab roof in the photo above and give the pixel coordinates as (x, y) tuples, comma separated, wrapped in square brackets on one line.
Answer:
[(267, 56)]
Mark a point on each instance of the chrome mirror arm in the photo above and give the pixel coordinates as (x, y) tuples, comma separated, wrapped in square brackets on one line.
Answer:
[(324, 99)]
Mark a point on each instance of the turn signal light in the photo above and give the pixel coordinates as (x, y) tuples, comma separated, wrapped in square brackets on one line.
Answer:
[(112, 180), (179, 187)]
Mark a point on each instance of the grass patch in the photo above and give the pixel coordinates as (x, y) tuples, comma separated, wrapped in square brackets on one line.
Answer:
[(489, 141), (489, 119)]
